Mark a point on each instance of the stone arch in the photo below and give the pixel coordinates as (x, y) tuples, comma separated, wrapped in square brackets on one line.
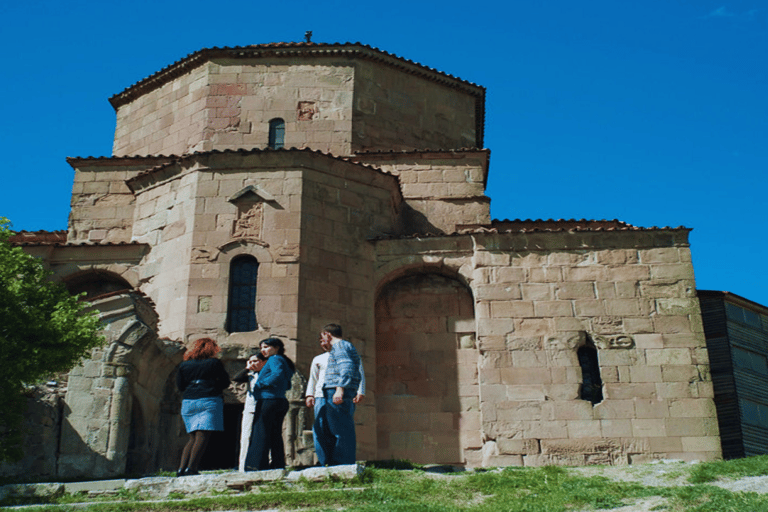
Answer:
[(427, 403), (95, 282), (115, 271), (126, 378)]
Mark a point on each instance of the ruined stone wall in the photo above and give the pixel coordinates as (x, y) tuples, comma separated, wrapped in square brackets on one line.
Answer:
[(443, 190), (227, 104), (539, 297), (397, 111)]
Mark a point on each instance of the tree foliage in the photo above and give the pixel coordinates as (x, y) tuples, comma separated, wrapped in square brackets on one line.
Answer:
[(43, 330)]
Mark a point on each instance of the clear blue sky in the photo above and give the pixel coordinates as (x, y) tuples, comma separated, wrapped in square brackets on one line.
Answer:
[(653, 112)]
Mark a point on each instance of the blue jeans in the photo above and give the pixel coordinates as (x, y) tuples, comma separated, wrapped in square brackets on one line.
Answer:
[(334, 429)]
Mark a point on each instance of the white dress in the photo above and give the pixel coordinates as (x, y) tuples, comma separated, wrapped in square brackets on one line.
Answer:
[(245, 427)]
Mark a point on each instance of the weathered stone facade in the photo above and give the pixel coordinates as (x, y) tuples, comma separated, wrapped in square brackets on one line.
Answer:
[(484, 342)]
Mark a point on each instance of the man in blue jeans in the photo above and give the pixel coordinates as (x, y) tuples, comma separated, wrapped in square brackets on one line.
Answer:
[(337, 443), (315, 399)]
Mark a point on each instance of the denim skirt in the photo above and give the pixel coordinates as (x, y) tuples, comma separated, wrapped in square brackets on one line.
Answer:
[(203, 414)]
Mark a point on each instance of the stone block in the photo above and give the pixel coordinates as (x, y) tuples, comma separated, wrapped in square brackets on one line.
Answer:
[(553, 308), (649, 427), (616, 428), (525, 376), (629, 273), (645, 373), (692, 408), (530, 327), (588, 307), (589, 273), (615, 409), (701, 444), (536, 291), (498, 292), (565, 291), (672, 324), (621, 391), (668, 356), (578, 429), (691, 427), (651, 408)]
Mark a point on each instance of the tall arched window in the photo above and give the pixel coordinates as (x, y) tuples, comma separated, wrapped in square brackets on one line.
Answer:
[(276, 133), (241, 310)]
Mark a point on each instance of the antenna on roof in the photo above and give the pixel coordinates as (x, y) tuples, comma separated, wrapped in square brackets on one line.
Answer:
[(308, 36)]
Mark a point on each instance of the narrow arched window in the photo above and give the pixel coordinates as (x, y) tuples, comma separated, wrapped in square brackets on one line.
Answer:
[(276, 133), (591, 383), (241, 309)]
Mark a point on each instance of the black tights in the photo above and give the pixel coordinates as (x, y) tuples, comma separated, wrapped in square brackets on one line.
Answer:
[(194, 449)]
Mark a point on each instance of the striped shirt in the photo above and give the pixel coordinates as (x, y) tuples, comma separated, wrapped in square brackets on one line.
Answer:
[(343, 367)]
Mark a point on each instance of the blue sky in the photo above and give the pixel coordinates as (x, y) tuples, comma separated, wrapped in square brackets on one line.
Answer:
[(654, 112)]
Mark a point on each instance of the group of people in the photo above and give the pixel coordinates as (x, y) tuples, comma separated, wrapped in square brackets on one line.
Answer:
[(336, 384)]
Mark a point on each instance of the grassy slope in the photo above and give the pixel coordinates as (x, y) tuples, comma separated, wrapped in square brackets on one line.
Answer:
[(546, 489)]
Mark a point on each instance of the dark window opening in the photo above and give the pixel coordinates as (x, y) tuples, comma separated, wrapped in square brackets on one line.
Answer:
[(241, 311), (591, 383), (276, 133)]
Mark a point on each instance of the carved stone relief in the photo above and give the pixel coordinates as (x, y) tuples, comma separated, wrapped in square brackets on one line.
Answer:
[(249, 221)]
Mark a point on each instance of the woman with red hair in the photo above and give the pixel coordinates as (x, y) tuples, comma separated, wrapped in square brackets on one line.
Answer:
[(201, 378)]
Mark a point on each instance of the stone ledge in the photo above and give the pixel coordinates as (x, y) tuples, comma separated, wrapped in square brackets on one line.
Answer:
[(162, 486)]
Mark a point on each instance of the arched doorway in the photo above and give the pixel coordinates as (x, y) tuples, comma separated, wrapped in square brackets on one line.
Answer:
[(426, 369)]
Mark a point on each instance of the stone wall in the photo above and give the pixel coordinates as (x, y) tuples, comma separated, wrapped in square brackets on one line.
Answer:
[(397, 111), (539, 297), (227, 104), (444, 190)]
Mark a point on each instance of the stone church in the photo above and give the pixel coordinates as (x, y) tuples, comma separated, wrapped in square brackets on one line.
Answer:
[(267, 190)]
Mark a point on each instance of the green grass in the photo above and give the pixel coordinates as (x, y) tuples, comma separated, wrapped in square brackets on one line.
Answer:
[(411, 488)]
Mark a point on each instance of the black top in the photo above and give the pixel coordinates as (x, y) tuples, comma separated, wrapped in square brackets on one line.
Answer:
[(201, 378)]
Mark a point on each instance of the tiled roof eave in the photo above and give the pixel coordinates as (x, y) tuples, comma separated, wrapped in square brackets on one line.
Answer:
[(194, 60)]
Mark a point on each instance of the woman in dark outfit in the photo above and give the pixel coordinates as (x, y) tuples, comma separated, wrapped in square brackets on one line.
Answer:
[(201, 378), (271, 406)]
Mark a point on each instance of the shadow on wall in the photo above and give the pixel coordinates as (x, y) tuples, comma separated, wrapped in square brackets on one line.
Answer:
[(423, 359)]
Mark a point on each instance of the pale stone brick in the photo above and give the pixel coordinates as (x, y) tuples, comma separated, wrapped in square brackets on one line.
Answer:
[(674, 373), (659, 255), (587, 307), (552, 308), (651, 408), (581, 428), (571, 410), (616, 428), (672, 324), (665, 444), (511, 309), (626, 290), (649, 428), (545, 275), (668, 356), (685, 340), (638, 325), (574, 291), (645, 373), (498, 292), (676, 390), (694, 427), (497, 327), (648, 341), (628, 273), (531, 327), (622, 390), (510, 275), (692, 408), (628, 307), (563, 323), (614, 409), (590, 273), (534, 292), (525, 376)]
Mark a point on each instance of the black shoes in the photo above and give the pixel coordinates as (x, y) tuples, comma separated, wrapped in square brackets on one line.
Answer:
[(186, 472)]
